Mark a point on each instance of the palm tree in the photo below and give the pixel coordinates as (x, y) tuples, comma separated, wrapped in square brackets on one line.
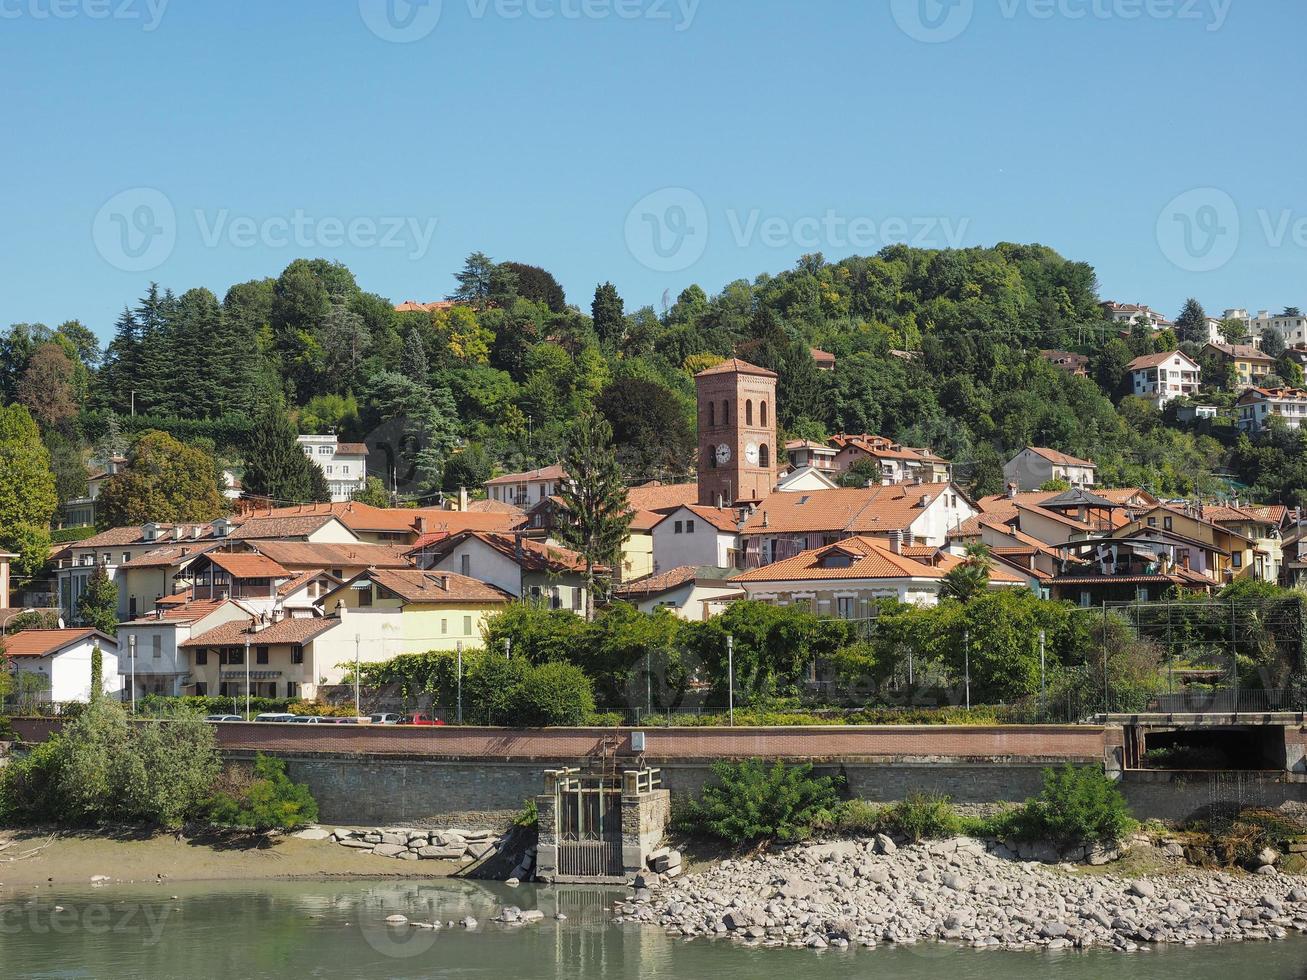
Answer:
[(970, 577)]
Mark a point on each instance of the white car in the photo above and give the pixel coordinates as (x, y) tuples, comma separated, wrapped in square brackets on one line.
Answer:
[(217, 718), (277, 716), (387, 718)]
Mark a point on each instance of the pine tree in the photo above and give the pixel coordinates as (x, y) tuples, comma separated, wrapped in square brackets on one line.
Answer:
[(319, 488), (156, 380), (476, 281), (596, 514), (414, 364), (1191, 324), (122, 364), (275, 465), (609, 315)]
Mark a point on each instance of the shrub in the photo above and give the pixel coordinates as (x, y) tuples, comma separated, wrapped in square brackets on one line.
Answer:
[(752, 802), (855, 817), (923, 816), (270, 801), (1076, 805), (101, 767), (554, 694), (528, 817)]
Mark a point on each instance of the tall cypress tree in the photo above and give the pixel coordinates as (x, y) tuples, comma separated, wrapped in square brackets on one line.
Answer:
[(609, 314), (596, 513), (414, 364)]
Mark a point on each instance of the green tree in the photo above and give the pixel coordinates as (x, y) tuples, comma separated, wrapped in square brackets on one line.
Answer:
[(752, 802), (97, 673), (46, 388), (609, 315), (98, 605), (275, 465), (476, 281), (1273, 344), (1191, 324), (595, 515), (415, 365), (373, 493), (28, 499), (164, 480), (271, 801), (970, 577), (537, 285)]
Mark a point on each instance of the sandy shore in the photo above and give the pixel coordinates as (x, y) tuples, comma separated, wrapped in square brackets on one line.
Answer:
[(67, 858)]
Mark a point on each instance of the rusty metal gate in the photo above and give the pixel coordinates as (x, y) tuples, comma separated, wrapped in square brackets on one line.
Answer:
[(589, 828)]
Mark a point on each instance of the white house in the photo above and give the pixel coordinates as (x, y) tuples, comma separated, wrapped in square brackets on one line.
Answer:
[(694, 535), (536, 571), (1165, 376), (1291, 325), (345, 464), (1129, 314), (525, 490), (5, 558), (1034, 466), (61, 661), (1257, 406), (159, 666), (694, 594)]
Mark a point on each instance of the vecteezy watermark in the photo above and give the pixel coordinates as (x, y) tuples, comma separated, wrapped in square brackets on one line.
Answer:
[(668, 230), (304, 231), (401, 21), (148, 12), (937, 21), (137, 230), (405, 21), (95, 919), (1198, 231)]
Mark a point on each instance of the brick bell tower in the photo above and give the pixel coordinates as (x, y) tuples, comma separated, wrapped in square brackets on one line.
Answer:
[(737, 433)]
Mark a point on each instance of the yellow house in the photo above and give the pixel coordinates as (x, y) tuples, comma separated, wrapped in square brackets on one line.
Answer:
[(1250, 364), (1220, 553), (390, 612), (1262, 525), (638, 549)]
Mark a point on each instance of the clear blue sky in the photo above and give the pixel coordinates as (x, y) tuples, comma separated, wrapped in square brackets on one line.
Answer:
[(531, 133)]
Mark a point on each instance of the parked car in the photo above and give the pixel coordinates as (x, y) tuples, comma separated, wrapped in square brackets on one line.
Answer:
[(216, 718), (308, 720), (386, 718), (421, 718), (275, 716)]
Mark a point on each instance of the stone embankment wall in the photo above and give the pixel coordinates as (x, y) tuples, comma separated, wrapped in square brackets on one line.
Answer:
[(389, 775)]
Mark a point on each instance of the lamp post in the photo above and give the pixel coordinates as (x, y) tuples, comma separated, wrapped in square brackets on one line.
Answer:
[(459, 647), (1043, 691), (5, 622), (508, 648), (730, 678), (966, 663), (357, 712), (247, 677), (131, 646)]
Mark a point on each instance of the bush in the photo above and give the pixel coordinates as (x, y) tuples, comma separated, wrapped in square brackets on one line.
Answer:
[(554, 694), (528, 817), (853, 817), (270, 801), (754, 803), (103, 768), (1076, 805), (922, 816)]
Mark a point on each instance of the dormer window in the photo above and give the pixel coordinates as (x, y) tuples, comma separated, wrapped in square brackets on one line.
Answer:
[(835, 559)]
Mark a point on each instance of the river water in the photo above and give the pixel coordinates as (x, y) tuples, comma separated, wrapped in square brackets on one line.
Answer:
[(337, 929)]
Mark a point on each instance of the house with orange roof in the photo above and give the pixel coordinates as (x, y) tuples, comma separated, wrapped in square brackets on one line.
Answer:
[(1259, 407), (786, 524), (1263, 526), (152, 655), (535, 571), (1162, 377), (1035, 466), (344, 464), (850, 578), (897, 463), (391, 612), (689, 592), (268, 655), (525, 490), (57, 663), (693, 535)]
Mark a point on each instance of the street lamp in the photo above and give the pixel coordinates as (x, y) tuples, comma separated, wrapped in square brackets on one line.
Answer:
[(730, 678), (459, 648), (247, 677), (357, 712), (5, 622), (131, 646)]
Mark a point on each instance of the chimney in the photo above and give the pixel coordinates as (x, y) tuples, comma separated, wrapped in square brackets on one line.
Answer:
[(177, 532), (1011, 491), (462, 498), (444, 582), (896, 542), (421, 524)]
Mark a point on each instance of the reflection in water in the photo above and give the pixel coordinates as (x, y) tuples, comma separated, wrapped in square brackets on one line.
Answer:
[(338, 929)]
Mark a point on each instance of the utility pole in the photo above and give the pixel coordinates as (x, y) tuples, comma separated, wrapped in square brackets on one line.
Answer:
[(1043, 692), (131, 643), (357, 699), (730, 677), (459, 648), (1106, 701), (247, 677), (966, 662)]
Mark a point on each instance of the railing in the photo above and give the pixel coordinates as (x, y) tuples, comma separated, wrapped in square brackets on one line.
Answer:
[(1227, 701)]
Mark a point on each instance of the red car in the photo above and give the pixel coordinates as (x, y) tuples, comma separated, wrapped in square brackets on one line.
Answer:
[(422, 719)]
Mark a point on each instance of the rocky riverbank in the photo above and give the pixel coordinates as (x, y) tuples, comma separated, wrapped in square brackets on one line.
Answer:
[(871, 892)]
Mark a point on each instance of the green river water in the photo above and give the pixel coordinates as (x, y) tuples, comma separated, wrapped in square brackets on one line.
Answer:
[(336, 929)]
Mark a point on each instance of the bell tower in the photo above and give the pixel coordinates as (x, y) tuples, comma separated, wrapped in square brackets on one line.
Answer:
[(737, 433)]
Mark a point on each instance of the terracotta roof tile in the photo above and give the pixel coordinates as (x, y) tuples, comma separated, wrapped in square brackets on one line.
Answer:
[(1059, 458), (870, 559), (235, 633), (660, 496), (545, 473), (436, 587), (301, 555), (674, 578), (41, 643), (892, 507), (733, 365), (247, 565)]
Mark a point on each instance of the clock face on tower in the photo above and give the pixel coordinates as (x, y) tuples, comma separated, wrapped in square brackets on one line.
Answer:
[(723, 454), (751, 453)]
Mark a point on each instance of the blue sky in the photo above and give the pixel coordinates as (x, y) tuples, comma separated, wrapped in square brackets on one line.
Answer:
[(651, 142)]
